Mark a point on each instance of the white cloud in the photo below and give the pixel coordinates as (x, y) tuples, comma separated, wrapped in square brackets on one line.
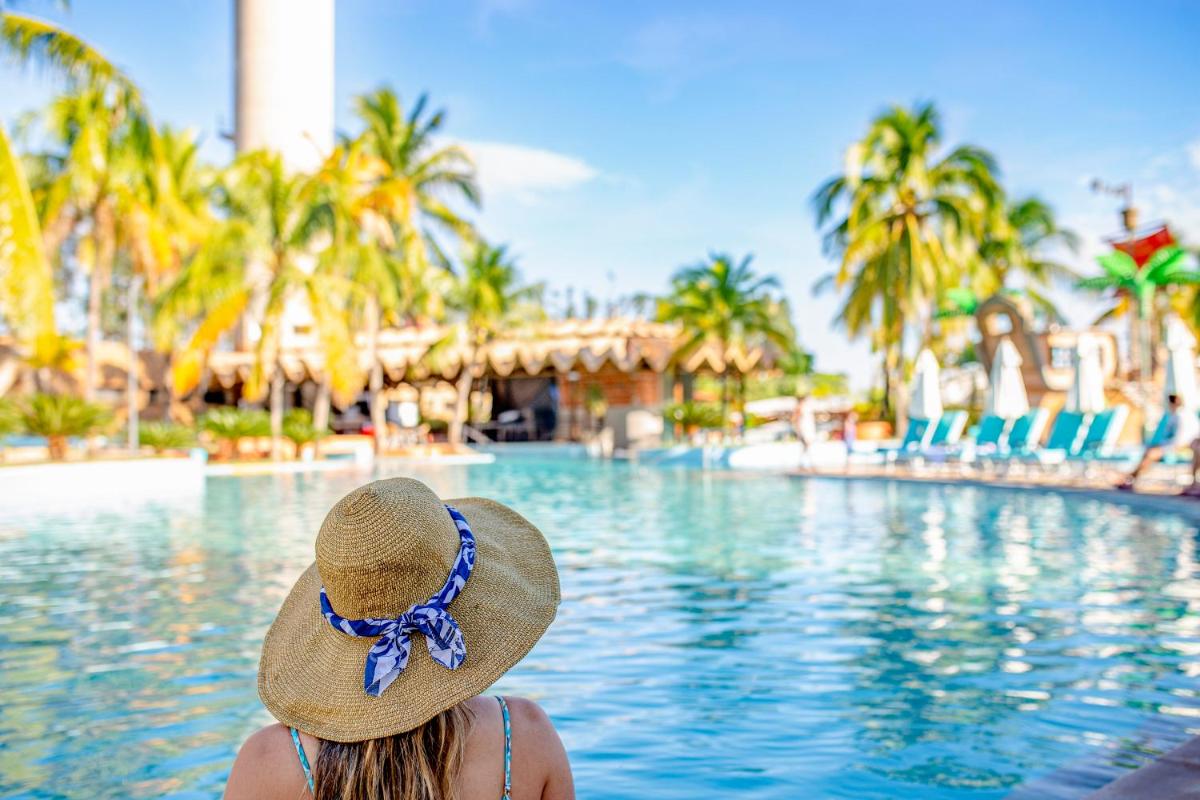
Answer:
[(526, 173), (1193, 153)]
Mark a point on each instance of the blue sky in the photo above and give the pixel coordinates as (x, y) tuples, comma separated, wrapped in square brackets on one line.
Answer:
[(618, 141)]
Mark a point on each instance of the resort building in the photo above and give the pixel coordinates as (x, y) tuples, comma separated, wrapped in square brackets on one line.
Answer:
[(560, 379)]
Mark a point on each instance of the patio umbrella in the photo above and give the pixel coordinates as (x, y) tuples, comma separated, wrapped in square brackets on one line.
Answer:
[(1181, 363), (926, 389), (1086, 395), (1006, 395)]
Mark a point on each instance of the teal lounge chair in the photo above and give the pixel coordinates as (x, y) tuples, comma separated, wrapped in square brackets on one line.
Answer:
[(943, 442), (917, 437), (1066, 438), (1021, 439), (987, 439), (1102, 434), (991, 431)]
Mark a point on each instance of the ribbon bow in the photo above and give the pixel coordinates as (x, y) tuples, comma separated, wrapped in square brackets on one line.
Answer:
[(389, 655)]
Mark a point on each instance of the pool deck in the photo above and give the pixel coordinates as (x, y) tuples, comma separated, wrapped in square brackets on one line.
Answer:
[(1150, 497), (1174, 776)]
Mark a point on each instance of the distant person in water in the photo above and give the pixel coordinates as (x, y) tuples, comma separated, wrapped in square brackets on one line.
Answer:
[(376, 664), (1178, 432)]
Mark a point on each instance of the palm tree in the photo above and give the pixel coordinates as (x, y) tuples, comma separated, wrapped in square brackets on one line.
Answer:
[(416, 177), (1021, 245), (252, 265), (90, 199), (34, 40), (902, 221), (487, 299), (26, 282), (1135, 288), (389, 285), (727, 304)]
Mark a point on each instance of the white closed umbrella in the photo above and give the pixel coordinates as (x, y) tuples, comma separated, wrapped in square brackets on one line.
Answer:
[(1181, 364), (1086, 395), (1006, 395), (926, 401)]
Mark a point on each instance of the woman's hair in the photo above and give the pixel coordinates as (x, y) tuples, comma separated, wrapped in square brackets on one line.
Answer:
[(420, 764)]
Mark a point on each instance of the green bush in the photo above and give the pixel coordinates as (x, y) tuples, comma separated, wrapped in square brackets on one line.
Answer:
[(163, 436), (230, 425), (10, 417), (694, 415), (58, 417), (299, 429)]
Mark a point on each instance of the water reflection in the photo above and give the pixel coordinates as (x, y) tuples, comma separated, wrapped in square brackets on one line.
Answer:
[(759, 636)]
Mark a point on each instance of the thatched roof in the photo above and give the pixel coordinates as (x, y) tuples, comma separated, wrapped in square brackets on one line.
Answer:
[(562, 346)]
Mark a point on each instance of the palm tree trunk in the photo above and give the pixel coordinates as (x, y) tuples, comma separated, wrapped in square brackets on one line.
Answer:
[(132, 387), (725, 401), (375, 380), (92, 337), (462, 402), (321, 412), (277, 385)]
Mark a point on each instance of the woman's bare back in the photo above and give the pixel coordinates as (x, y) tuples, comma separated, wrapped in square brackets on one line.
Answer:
[(268, 768)]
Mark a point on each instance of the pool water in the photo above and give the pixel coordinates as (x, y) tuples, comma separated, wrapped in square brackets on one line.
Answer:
[(757, 636)]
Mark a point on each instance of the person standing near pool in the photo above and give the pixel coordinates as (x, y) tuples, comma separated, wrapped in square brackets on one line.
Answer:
[(376, 663), (1180, 431), (805, 426)]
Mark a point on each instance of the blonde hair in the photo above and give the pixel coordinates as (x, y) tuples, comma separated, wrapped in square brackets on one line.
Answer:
[(420, 764)]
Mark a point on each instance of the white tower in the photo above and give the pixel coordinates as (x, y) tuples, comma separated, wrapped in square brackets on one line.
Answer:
[(285, 78)]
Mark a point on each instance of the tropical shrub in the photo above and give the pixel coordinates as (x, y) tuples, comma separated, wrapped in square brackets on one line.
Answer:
[(163, 436), (298, 428), (229, 426), (10, 418), (58, 417), (694, 415)]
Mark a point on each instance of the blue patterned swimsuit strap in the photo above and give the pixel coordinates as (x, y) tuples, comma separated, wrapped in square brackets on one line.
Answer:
[(507, 750), (303, 760)]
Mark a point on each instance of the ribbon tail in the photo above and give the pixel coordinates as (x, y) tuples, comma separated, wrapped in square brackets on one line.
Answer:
[(386, 660), (445, 642)]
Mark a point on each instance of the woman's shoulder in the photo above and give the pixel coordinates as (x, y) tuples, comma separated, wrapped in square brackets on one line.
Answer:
[(538, 753), (267, 766)]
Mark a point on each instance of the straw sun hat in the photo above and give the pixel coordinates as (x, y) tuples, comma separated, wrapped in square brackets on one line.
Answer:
[(383, 553)]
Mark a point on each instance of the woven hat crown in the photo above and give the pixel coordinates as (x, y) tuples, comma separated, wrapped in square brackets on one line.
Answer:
[(385, 547)]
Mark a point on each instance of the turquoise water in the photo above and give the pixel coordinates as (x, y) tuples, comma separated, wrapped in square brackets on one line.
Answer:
[(773, 637)]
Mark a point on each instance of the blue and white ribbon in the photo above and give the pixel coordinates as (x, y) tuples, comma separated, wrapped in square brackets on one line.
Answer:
[(389, 656)]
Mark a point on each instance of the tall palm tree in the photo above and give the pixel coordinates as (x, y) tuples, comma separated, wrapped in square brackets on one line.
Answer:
[(725, 303), (417, 178), (486, 299), (26, 282), (902, 220), (253, 264), (90, 202), (1134, 289), (390, 286), (1021, 246)]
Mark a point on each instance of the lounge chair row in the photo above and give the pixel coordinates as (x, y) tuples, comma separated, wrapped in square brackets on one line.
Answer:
[(1073, 437)]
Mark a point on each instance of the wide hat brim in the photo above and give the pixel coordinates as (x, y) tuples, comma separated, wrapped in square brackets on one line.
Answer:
[(310, 676)]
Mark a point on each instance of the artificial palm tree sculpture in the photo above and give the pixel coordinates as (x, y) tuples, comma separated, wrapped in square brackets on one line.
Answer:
[(1134, 288)]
